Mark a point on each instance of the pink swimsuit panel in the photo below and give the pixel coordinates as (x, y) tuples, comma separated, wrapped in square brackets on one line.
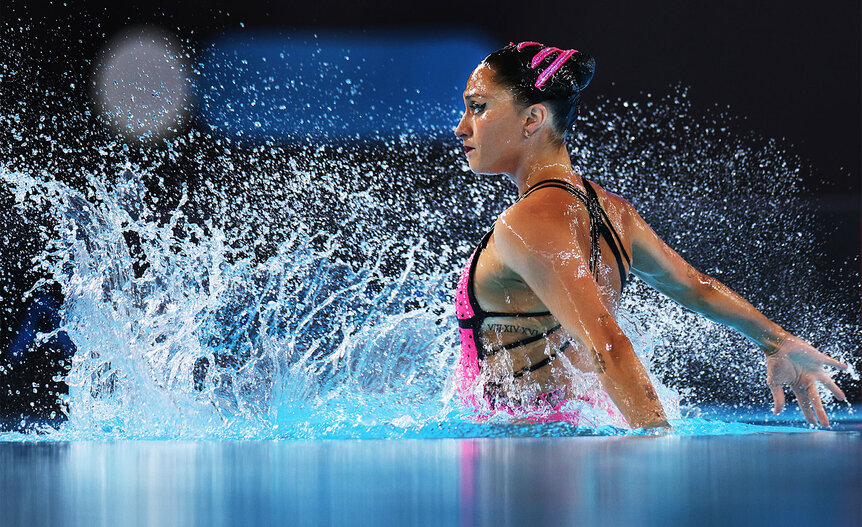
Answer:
[(468, 364)]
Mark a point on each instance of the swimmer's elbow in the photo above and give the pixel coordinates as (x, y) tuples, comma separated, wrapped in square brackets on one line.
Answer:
[(614, 354), (701, 294)]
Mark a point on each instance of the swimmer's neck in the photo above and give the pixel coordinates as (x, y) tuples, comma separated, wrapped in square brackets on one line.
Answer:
[(538, 164)]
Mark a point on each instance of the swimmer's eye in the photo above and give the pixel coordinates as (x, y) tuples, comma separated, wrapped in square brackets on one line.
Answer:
[(477, 108)]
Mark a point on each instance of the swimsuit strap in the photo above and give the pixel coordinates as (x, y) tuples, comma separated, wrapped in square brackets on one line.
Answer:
[(542, 363), (517, 344), (600, 224), (592, 192), (558, 183), (610, 232)]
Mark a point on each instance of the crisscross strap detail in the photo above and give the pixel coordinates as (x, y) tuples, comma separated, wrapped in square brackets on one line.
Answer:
[(600, 224)]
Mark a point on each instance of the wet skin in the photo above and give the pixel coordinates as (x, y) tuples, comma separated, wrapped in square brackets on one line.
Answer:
[(537, 260)]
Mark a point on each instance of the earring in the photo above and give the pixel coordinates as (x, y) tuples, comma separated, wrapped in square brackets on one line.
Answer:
[(526, 133)]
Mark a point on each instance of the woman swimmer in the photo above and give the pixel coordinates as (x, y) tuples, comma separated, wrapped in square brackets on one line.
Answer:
[(544, 284)]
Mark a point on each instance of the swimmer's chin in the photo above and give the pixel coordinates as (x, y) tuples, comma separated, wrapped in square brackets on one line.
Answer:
[(486, 172)]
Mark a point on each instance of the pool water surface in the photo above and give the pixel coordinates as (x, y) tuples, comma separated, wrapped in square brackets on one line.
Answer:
[(776, 478)]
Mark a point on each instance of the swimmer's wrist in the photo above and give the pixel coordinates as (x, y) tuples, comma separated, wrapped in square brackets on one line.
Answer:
[(771, 343)]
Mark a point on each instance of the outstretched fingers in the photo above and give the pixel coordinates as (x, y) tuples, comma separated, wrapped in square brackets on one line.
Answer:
[(778, 397), (814, 397), (804, 403), (830, 384), (829, 361)]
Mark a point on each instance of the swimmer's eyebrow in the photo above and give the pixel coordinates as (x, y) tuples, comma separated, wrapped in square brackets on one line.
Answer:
[(473, 95)]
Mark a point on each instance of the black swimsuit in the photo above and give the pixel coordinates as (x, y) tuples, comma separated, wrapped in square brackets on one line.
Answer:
[(600, 226)]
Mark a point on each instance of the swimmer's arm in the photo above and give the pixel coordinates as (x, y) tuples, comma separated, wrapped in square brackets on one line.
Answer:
[(537, 243), (666, 271), (789, 359)]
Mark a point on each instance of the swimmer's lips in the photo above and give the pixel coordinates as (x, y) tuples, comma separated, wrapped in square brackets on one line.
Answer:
[(467, 149)]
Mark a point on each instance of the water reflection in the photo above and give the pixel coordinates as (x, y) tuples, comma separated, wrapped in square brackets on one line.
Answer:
[(664, 481), (534, 481)]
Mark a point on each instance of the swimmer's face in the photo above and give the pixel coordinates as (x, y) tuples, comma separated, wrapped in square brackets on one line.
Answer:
[(492, 128)]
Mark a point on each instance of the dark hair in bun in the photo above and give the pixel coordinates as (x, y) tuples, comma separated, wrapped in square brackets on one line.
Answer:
[(540, 74)]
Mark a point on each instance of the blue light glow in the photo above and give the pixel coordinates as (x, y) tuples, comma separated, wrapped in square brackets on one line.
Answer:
[(289, 87)]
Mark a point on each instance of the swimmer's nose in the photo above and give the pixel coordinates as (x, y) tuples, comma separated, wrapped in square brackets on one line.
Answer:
[(461, 131)]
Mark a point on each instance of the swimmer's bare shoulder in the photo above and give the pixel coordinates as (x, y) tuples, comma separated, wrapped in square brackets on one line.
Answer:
[(548, 208), (614, 204)]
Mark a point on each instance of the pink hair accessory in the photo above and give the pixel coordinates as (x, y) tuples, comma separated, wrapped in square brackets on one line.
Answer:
[(541, 55), (523, 45), (561, 59)]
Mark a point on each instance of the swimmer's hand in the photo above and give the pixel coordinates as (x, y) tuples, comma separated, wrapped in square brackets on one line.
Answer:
[(658, 428), (800, 365)]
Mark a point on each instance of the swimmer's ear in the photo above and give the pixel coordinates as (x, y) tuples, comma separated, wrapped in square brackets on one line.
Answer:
[(535, 117)]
